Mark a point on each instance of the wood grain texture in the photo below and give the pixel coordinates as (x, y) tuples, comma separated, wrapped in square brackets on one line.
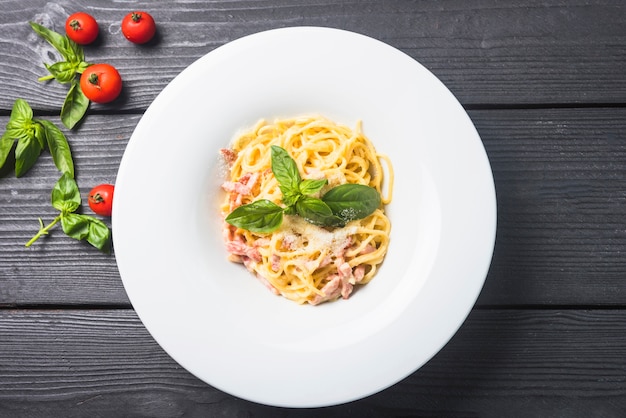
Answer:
[(57, 269), (560, 179), (544, 84), (513, 363), (486, 52)]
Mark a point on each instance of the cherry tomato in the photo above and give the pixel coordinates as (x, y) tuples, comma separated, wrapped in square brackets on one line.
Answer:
[(138, 27), (101, 199), (101, 83), (81, 28)]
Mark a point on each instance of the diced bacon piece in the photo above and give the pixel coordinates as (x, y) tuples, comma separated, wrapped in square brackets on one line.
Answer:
[(240, 188), (347, 279), (275, 262), (346, 290), (331, 290), (326, 261), (236, 187), (369, 248), (344, 270), (243, 186), (229, 155), (359, 273), (235, 201), (250, 179), (241, 248), (227, 232)]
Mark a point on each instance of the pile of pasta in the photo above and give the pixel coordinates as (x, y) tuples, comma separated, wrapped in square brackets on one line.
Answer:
[(301, 261)]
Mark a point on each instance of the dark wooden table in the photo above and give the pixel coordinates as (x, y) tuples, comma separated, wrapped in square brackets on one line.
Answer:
[(544, 83)]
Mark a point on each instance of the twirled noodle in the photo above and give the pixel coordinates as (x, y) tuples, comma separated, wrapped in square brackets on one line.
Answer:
[(300, 261)]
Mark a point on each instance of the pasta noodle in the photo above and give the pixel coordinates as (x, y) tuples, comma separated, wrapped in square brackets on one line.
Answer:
[(301, 261)]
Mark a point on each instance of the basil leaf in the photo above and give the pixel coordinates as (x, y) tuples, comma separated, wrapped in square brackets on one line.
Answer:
[(26, 155), (65, 194), (352, 201), (290, 210), (285, 170), (82, 67), (290, 197), (84, 227), (66, 47), (309, 187), (75, 106), (75, 225), (6, 144), (317, 212), (39, 133), (73, 52), (59, 147), (64, 72), (99, 234), (20, 123), (260, 216), (21, 112)]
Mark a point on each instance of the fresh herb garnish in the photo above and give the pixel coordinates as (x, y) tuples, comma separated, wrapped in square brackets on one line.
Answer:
[(67, 71), (66, 198), (32, 137), (337, 207)]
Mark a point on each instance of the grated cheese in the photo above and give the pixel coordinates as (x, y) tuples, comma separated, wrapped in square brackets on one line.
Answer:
[(313, 237)]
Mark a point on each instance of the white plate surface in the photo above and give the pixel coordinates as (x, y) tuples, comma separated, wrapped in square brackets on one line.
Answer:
[(222, 325)]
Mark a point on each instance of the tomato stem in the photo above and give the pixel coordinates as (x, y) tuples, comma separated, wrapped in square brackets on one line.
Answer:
[(75, 24), (136, 17), (93, 79), (43, 230)]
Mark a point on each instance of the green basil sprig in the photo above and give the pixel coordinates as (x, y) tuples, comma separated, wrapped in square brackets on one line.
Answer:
[(32, 137), (338, 206), (76, 103), (65, 197)]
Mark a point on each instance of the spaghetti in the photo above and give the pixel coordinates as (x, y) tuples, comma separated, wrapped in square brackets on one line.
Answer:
[(301, 261)]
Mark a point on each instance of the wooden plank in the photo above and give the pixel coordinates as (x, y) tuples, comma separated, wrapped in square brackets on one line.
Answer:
[(486, 52), (561, 188), (57, 269), (98, 363), (560, 179)]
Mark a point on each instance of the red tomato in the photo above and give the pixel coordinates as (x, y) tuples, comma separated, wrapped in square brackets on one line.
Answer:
[(81, 28), (138, 27), (101, 199), (101, 83)]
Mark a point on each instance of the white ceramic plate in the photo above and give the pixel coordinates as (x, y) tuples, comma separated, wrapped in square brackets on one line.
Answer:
[(221, 324)]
